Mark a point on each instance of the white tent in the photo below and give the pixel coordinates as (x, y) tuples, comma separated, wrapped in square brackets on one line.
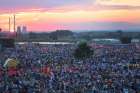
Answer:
[(10, 63)]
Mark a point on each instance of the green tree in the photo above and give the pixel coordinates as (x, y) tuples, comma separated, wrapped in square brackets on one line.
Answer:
[(125, 40), (83, 51)]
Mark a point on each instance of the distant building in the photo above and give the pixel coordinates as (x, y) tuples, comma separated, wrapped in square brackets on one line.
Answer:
[(18, 29), (21, 30), (24, 29)]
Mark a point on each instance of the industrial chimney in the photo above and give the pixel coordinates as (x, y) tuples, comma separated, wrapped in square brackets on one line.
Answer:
[(9, 24), (14, 23)]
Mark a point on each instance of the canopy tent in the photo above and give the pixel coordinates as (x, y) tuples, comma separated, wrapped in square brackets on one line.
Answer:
[(11, 63)]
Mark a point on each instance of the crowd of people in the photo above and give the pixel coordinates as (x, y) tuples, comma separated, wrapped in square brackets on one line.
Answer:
[(53, 69)]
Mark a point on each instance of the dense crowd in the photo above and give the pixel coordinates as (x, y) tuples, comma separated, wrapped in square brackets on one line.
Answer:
[(53, 69)]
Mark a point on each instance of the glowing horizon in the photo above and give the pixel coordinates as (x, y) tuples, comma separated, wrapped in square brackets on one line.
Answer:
[(50, 15)]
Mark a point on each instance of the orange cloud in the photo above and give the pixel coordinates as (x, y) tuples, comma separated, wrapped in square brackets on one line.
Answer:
[(47, 20)]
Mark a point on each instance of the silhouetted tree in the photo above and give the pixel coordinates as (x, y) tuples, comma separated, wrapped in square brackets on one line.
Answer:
[(60, 33), (87, 38), (32, 35), (125, 40), (120, 33), (83, 51)]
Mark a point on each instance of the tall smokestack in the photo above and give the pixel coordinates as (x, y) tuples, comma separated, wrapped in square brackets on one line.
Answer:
[(14, 23), (9, 24)]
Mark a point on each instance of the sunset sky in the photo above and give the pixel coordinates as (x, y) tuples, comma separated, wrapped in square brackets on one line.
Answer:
[(76, 15)]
